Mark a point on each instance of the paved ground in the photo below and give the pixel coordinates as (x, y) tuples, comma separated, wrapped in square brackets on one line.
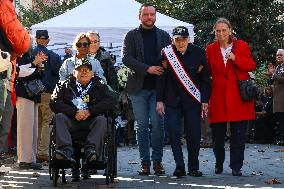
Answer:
[(262, 163)]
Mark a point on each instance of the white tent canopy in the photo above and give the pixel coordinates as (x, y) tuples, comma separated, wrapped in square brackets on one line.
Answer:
[(111, 18)]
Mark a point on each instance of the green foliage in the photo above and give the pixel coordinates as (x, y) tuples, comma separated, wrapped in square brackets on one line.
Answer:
[(260, 23), (41, 11)]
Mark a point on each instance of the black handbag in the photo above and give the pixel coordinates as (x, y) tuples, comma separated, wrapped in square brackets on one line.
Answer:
[(248, 89), (34, 87)]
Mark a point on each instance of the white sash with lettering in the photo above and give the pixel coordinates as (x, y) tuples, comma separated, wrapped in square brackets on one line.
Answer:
[(180, 73)]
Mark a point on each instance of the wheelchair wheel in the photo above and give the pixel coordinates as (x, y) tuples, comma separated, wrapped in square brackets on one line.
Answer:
[(52, 147), (64, 181), (55, 173), (112, 158), (49, 165), (107, 156)]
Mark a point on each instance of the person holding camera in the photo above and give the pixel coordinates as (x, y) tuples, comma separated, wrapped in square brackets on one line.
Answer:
[(226, 104), (30, 75)]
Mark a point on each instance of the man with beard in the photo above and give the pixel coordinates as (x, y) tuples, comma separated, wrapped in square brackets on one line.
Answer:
[(140, 52)]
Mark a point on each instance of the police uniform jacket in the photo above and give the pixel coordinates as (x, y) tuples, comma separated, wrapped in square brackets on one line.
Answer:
[(170, 90)]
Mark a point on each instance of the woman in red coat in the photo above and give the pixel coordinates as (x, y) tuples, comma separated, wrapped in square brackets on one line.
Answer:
[(226, 105)]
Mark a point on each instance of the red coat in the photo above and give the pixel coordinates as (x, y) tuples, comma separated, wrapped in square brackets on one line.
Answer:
[(16, 34), (225, 104)]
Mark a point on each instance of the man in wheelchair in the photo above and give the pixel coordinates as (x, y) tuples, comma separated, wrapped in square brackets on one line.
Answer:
[(79, 103)]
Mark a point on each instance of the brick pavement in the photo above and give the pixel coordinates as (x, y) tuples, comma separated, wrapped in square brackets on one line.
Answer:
[(262, 162)]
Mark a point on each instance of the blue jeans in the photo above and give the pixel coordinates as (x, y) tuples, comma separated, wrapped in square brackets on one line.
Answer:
[(192, 129), (144, 108)]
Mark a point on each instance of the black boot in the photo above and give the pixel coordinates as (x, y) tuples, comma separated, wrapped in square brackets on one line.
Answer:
[(195, 173), (218, 169), (179, 172), (237, 173), (90, 155)]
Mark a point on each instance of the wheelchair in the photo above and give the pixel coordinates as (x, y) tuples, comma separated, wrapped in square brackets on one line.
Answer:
[(108, 161)]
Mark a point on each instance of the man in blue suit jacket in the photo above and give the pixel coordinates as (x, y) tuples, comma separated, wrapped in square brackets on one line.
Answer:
[(184, 88)]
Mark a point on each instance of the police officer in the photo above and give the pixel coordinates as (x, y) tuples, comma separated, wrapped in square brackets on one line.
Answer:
[(184, 91)]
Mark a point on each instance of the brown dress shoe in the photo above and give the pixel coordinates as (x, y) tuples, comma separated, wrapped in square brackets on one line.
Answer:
[(145, 170), (158, 168), (42, 158)]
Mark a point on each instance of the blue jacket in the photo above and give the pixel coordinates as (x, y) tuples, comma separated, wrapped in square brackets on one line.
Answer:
[(51, 67)]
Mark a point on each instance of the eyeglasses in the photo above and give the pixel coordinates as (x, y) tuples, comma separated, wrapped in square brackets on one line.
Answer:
[(94, 42), (84, 44)]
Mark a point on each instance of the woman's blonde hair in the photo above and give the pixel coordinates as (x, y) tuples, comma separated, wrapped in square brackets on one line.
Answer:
[(79, 36), (224, 21)]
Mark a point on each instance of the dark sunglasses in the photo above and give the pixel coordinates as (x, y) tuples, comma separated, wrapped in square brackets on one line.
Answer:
[(94, 42), (84, 44)]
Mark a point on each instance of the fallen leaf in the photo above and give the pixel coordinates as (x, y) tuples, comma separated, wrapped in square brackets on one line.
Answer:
[(272, 181), (280, 150), (35, 174), (257, 173), (132, 162)]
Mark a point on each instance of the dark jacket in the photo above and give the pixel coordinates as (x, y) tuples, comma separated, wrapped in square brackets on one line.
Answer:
[(51, 68), (100, 100), (107, 65), (170, 90), (21, 81), (133, 56)]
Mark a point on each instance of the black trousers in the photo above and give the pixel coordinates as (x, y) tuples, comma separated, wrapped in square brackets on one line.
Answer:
[(280, 119), (237, 143), (192, 129)]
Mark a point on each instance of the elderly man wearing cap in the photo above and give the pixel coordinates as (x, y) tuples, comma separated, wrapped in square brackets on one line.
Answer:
[(50, 77), (79, 103), (184, 88)]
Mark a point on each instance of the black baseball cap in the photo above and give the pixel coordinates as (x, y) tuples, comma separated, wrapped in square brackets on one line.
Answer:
[(42, 34), (83, 62), (180, 31)]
